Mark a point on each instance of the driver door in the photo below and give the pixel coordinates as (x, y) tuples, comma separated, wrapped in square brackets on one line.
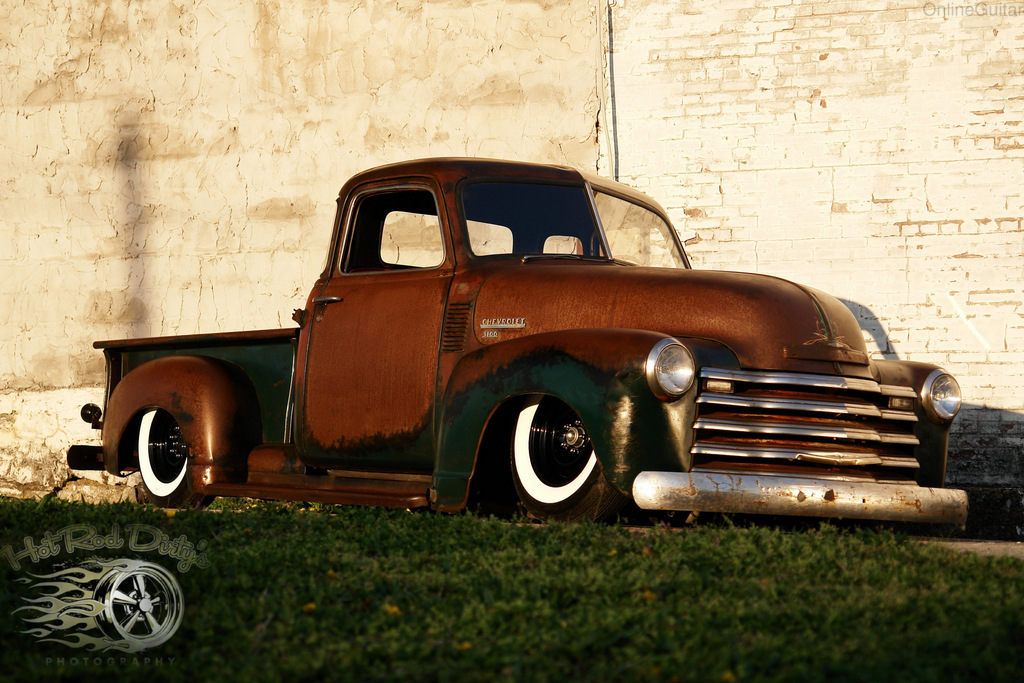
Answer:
[(367, 402)]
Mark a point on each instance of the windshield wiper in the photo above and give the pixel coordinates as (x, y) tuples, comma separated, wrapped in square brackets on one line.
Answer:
[(572, 257)]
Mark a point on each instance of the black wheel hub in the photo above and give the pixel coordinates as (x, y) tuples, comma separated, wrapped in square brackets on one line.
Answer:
[(559, 445), (167, 450)]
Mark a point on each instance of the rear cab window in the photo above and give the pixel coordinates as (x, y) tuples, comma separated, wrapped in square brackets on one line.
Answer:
[(525, 218)]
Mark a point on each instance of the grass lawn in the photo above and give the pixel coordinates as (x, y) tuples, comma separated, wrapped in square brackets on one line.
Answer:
[(297, 592)]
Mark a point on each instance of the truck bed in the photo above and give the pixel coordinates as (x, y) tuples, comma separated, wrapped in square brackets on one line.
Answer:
[(266, 356)]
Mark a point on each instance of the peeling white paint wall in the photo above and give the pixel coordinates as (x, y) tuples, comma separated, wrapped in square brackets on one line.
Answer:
[(874, 150), (172, 168)]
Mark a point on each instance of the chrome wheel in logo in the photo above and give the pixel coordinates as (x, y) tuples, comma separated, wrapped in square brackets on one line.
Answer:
[(142, 605), (122, 605)]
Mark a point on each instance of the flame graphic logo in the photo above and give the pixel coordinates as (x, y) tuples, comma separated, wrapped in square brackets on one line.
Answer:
[(123, 605)]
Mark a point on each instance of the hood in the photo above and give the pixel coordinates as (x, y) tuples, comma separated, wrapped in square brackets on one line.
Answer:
[(769, 323)]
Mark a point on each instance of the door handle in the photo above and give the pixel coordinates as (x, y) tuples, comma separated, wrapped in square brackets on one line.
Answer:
[(327, 300)]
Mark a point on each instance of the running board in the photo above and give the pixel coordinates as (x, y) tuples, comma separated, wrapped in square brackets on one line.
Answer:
[(340, 488)]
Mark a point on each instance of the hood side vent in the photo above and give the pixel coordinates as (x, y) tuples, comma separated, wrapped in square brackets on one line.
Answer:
[(456, 326)]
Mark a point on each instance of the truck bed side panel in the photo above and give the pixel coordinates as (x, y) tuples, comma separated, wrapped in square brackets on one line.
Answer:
[(266, 356)]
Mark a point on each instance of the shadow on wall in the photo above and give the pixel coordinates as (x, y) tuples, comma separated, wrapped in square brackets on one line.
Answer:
[(985, 453), (133, 220), (870, 323)]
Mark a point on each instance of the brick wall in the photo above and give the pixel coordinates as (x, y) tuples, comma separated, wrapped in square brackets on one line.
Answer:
[(874, 150)]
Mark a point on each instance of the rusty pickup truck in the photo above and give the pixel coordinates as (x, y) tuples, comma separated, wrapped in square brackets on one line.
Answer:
[(490, 331)]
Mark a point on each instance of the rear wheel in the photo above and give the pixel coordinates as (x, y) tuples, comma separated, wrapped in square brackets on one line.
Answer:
[(163, 461), (554, 467)]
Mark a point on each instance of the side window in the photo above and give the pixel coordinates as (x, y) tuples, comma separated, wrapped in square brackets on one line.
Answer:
[(636, 234), (394, 230)]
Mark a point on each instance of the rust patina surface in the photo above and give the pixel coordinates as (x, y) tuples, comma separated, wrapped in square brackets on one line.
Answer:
[(496, 331)]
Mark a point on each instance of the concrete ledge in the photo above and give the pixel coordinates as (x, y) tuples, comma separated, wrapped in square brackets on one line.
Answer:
[(92, 489), (93, 492), (14, 489), (985, 548)]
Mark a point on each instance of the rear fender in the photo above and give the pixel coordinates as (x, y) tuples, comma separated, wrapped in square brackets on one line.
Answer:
[(212, 400), (598, 372)]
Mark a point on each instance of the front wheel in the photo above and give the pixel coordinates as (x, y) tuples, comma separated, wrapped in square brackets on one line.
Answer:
[(163, 461), (554, 467)]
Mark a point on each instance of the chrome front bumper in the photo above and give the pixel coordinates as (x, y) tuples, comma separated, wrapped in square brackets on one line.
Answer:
[(770, 494)]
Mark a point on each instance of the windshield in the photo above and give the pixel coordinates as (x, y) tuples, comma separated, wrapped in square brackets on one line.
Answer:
[(530, 219), (556, 221), (636, 234)]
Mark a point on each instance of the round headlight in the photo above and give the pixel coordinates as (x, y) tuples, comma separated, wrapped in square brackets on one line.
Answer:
[(670, 369), (941, 396)]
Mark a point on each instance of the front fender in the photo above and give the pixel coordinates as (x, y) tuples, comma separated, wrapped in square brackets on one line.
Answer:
[(212, 400), (932, 451), (599, 372)]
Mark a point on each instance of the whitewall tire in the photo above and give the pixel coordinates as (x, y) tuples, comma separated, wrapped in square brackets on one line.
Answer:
[(555, 469)]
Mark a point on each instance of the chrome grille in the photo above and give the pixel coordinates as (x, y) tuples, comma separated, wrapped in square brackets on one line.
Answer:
[(781, 419)]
